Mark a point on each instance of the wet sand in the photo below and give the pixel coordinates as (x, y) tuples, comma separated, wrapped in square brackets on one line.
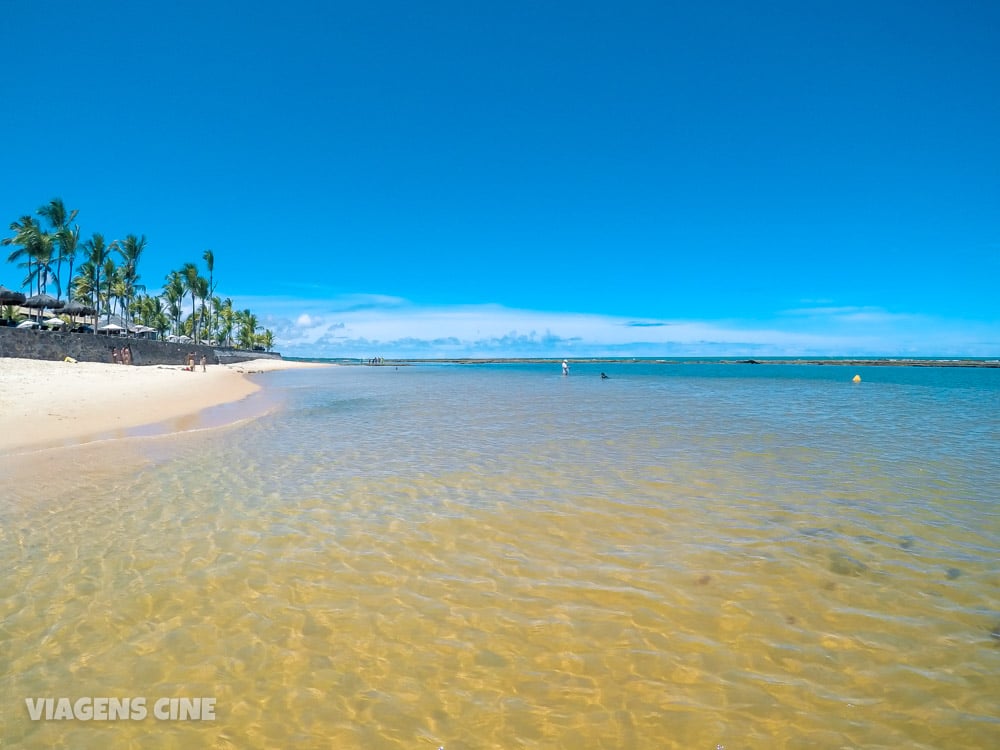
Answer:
[(46, 403)]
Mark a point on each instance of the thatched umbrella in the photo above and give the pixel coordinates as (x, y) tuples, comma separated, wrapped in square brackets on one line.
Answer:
[(43, 301), (10, 297), (76, 308)]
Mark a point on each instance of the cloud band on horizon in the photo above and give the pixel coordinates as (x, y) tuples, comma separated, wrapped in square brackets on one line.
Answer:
[(361, 326)]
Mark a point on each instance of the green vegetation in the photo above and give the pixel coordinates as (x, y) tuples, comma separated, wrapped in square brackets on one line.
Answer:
[(107, 280)]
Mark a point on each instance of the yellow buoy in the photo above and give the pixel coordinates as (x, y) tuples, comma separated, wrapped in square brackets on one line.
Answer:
[(856, 379)]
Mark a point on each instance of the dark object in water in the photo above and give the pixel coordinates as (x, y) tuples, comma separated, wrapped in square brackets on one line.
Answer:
[(604, 376), (953, 573), (906, 542), (995, 633), (704, 580), (845, 565)]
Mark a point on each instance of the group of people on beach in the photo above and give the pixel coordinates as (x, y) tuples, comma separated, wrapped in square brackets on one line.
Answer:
[(189, 363), (121, 356)]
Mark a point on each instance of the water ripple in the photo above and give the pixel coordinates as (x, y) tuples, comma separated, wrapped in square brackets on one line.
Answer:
[(506, 559)]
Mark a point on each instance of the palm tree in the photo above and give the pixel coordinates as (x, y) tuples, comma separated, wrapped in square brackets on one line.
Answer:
[(83, 286), (189, 275), (111, 283), (97, 256), (226, 321), (118, 290), (150, 312), (173, 293), (42, 249), (267, 339), (130, 250), (59, 218), (215, 332), (36, 250), (209, 257), (68, 239), (23, 230), (201, 288), (10, 312), (142, 308), (248, 329)]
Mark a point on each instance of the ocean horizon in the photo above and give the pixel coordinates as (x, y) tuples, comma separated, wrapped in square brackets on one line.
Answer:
[(937, 360), (428, 554)]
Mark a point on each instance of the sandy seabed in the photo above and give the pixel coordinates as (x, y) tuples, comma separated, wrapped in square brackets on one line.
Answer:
[(46, 404)]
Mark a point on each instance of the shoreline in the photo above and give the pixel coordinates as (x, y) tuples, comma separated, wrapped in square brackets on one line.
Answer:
[(840, 361), (52, 404)]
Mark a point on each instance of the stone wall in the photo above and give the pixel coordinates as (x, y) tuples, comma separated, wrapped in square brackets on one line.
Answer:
[(86, 347)]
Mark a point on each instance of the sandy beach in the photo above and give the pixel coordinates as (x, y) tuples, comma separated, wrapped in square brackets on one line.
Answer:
[(46, 403)]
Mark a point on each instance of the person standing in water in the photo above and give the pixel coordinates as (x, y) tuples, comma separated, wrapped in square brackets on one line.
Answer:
[(565, 367)]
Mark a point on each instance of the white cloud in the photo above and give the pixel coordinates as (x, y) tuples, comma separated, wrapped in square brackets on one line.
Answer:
[(374, 325), (822, 311)]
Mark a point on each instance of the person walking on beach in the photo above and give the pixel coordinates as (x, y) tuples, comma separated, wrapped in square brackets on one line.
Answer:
[(203, 361)]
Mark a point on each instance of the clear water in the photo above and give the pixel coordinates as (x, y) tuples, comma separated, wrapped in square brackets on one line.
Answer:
[(467, 556)]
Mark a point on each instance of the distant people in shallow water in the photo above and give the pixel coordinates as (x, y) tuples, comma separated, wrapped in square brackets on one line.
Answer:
[(565, 367)]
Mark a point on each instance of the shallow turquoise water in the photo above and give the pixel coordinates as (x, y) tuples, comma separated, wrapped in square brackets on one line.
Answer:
[(496, 556)]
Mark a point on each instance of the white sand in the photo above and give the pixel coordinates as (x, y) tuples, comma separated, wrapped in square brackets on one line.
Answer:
[(46, 403)]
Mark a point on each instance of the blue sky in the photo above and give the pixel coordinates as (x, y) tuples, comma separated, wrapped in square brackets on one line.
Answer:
[(537, 178)]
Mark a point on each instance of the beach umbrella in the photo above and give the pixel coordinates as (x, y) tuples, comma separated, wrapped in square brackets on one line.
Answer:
[(55, 322), (10, 297), (76, 308), (113, 327), (43, 301)]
